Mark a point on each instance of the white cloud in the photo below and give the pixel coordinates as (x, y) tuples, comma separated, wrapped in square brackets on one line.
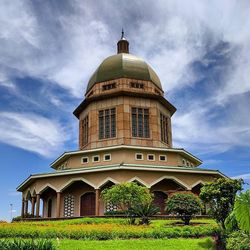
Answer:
[(67, 46), (242, 176), (65, 50), (201, 129), (32, 132), (9, 85), (14, 193)]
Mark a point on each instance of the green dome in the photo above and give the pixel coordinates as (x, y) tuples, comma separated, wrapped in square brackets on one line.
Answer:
[(123, 65)]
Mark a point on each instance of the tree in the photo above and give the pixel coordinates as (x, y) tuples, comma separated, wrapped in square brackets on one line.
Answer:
[(240, 216), (220, 196), (185, 205), (127, 196), (242, 211)]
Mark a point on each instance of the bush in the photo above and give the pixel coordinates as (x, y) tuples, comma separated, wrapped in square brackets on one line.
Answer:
[(16, 219), (238, 241), (185, 205), (144, 211), (126, 196), (119, 212), (19, 244), (220, 196)]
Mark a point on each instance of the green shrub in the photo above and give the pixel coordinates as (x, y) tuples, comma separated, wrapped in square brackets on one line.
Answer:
[(185, 205), (17, 218), (119, 212), (238, 241), (220, 196), (144, 211), (19, 244), (102, 231)]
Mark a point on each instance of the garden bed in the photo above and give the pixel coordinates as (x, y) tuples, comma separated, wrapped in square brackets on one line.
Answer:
[(106, 229)]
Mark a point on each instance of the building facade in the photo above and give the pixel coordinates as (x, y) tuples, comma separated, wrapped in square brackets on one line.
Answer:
[(125, 135)]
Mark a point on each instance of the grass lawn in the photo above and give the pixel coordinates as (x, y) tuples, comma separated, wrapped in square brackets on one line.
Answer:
[(171, 244)]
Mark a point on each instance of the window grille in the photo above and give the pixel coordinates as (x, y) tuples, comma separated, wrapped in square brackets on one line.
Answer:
[(136, 85), (109, 86), (107, 123), (140, 122), (85, 130), (164, 128), (69, 203)]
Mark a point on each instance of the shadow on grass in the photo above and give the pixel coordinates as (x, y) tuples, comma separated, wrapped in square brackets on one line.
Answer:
[(207, 244)]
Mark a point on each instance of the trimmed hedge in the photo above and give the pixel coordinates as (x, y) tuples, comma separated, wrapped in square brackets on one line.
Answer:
[(103, 231)]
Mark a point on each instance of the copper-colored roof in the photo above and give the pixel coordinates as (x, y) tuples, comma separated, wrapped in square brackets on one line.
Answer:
[(123, 65)]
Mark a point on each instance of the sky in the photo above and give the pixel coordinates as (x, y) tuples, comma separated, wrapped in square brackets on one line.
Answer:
[(49, 49)]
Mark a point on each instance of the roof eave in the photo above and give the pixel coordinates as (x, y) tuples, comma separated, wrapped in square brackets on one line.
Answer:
[(65, 155), (21, 187), (88, 100)]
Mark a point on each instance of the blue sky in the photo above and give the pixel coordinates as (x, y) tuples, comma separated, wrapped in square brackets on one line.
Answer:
[(49, 49)]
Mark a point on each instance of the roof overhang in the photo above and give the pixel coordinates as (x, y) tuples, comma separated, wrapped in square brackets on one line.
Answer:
[(88, 100), (31, 178), (181, 151)]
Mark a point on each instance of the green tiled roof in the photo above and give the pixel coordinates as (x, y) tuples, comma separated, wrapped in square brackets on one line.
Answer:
[(123, 65)]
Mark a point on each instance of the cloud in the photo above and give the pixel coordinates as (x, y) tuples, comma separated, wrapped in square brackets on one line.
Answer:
[(32, 132), (9, 85), (14, 193), (67, 46), (58, 48), (63, 44), (242, 176)]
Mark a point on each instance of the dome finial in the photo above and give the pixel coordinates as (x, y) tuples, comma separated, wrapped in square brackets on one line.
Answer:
[(122, 34), (123, 44)]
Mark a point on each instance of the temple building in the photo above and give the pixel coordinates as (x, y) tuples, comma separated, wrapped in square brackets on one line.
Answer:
[(125, 135)]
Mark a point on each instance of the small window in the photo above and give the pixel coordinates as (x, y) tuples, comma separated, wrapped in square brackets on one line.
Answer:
[(85, 160), (157, 92), (151, 157), (192, 165), (162, 158), (136, 85), (188, 164), (184, 162), (109, 86), (139, 156), (107, 157), (96, 158)]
